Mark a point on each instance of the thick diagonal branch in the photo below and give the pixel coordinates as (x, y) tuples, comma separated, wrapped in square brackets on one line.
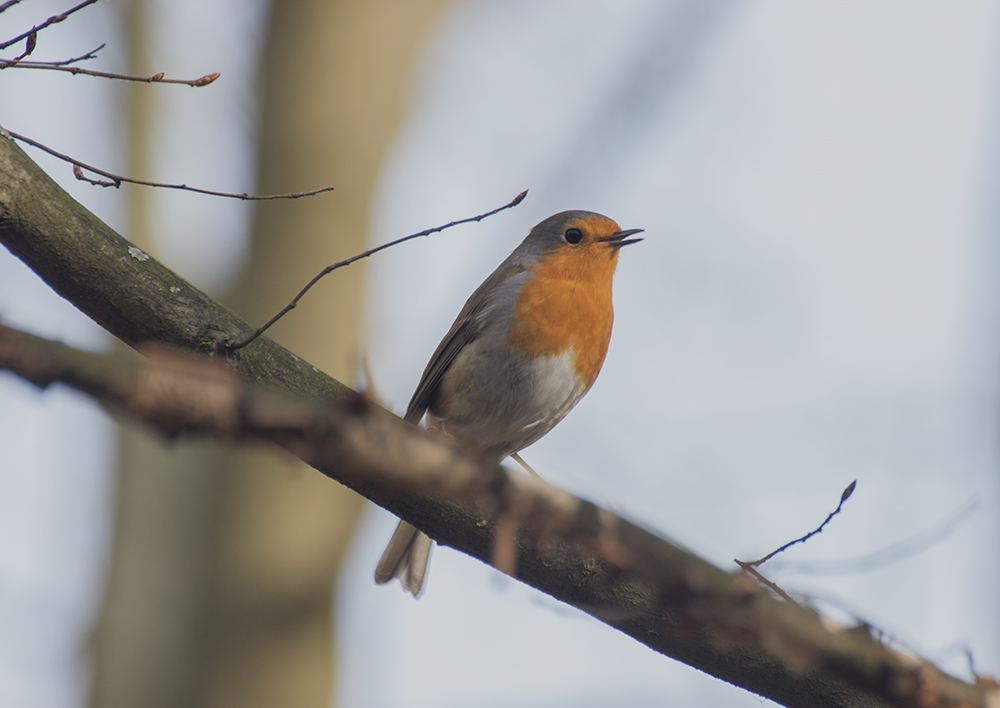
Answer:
[(657, 593), (663, 596)]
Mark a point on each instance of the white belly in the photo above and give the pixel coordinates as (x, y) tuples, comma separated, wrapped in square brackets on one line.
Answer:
[(503, 404)]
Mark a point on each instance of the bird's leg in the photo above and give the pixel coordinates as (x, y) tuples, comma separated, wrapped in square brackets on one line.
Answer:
[(517, 458)]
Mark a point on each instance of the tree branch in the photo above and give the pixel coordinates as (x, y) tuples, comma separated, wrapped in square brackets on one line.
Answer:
[(121, 288), (653, 591), (158, 78), (667, 598), (51, 21), (370, 252), (92, 54), (116, 180)]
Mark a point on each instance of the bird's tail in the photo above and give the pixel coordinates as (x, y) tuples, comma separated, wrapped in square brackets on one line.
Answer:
[(406, 557)]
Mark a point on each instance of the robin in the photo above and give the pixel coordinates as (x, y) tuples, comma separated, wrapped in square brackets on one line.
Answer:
[(523, 351)]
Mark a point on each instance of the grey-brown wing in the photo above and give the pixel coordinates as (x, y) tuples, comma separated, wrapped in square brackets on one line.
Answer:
[(464, 329)]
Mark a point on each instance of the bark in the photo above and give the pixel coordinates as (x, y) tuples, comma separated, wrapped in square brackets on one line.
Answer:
[(669, 599), (657, 593)]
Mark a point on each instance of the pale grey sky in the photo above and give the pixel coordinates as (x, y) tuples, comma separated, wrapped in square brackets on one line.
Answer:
[(813, 303)]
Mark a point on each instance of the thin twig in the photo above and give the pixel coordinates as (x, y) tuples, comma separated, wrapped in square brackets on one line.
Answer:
[(9, 3), (843, 498), (92, 54), (749, 568), (154, 79), (370, 252), (901, 550), (29, 47), (51, 21), (116, 180)]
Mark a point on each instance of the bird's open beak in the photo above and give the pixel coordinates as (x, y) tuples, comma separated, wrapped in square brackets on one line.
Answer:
[(621, 238)]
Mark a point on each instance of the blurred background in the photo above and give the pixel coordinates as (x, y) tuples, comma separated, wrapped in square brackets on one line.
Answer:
[(817, 300)]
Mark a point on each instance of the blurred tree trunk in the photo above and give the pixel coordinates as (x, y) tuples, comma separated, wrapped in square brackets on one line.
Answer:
[(224, 561), (146, 639), (334, 76)]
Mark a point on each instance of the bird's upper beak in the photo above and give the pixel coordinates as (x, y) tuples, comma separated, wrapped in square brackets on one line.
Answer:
[(621, 238)]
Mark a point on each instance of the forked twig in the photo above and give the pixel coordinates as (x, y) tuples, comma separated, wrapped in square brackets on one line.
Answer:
[(92, 54), (16, 61), (51, 21)]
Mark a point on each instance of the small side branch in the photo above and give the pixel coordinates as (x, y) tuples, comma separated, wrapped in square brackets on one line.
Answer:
[(159, 78), (37, 28), (843, 498), (92, 54), (117, 180), (8, 4), (372, 251), (750, 567)]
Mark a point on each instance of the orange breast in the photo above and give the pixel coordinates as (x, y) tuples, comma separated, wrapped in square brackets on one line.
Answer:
[(567, 304)]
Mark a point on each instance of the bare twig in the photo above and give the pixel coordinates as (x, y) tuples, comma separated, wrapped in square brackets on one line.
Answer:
[(9, 3), (749, 568), (92, 54), (154, 79), (116, 180), (843, 498), (372, 251), (51, 21), (29, 47), (901, 550)]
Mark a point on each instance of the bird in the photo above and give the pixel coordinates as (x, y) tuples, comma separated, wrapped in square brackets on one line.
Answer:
[(525, 348)]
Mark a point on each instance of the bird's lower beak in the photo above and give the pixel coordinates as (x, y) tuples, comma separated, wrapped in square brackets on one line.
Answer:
[(621, 238)]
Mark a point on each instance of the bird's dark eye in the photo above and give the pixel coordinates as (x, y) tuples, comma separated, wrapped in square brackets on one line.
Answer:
[(573, 236)]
